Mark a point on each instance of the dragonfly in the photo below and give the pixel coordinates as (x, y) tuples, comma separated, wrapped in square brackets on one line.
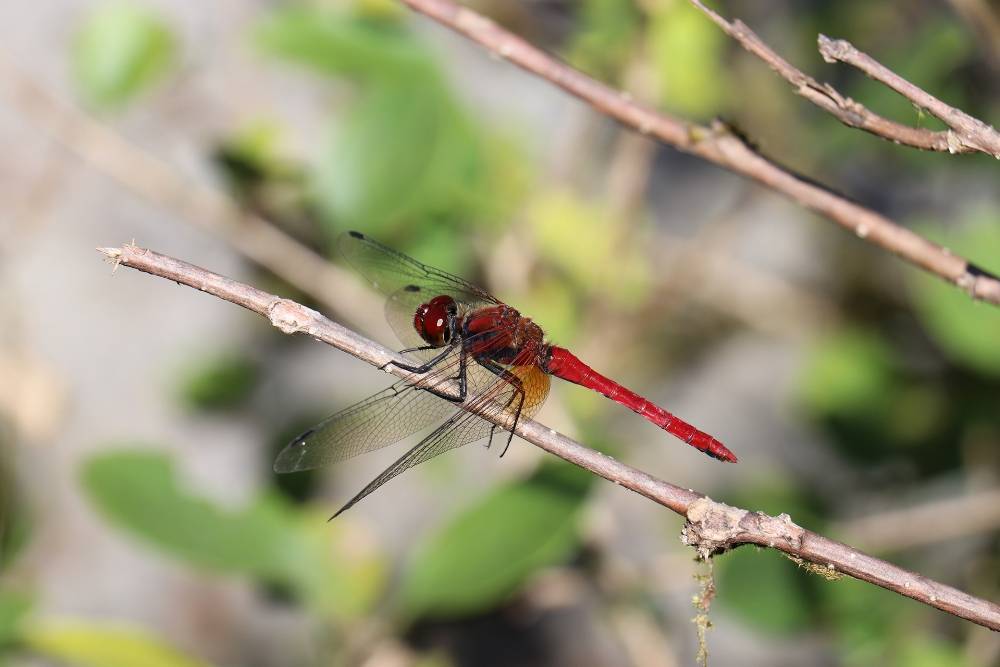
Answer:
[(457, 335)]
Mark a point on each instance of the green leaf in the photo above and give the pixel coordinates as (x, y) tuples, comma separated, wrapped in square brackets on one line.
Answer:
[(92, 645), (767, 591), (331, 568), (582, 239), (687, 54), (865, 619), (848, 373), (15, 524), (968, 332), (405, 150), (606, 36), (14, 607), (140, 492), (924, 651), (339, 43), (221, 382), (484, 554), (405, 153), (120, 51)]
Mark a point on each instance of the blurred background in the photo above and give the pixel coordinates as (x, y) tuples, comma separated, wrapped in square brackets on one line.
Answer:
[(140, 523)]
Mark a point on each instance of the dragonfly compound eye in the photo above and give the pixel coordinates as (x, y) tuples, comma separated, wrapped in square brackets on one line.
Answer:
[(433, 320)]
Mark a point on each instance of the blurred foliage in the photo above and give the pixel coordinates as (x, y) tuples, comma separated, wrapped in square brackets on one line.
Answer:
[(686, 51), (849, 372), (406, 160), (585, 242), (605, 36), (403, 149), (96, 645), (121, 50), (879, 404), (325, 567), (966, 331), (252, 157), (14, 607), (931, 652), (770, 593), (493, 546), (867, 621), (220, 382), (14, 523)]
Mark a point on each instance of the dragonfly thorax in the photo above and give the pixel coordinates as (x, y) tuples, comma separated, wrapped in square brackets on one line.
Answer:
[(435, 320)]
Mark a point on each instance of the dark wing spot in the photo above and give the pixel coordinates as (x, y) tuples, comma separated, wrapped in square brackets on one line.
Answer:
[(412, 288), (357, 235), (301, 438)]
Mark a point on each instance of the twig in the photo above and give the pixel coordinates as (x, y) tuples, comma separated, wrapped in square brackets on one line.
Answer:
[(718, 144), (711, 527), (968, 135)]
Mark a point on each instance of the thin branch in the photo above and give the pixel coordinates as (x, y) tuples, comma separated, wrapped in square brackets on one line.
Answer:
[(711, 527), (967, 135), (718, 144)]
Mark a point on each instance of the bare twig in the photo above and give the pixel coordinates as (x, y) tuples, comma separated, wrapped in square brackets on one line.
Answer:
[(717, 144), (711, 527), (968, 135)]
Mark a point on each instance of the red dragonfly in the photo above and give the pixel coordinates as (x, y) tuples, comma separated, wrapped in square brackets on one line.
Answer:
[(457, 333)]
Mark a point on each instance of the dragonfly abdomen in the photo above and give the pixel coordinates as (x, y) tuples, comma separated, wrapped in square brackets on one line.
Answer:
[(564, 364)]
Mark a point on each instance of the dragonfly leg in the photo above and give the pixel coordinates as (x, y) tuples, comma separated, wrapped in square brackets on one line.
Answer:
[(427, 365), (519, 394), (415, 349), (462, 378)]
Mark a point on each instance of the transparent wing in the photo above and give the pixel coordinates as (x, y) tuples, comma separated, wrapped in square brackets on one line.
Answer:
[(378, 421), (464, 427), (382, 419), (406, 283), (390, 271), (460, 429)]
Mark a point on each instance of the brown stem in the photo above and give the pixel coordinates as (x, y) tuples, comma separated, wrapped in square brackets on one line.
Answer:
[(968, 135), (717, 144), (711, 527)]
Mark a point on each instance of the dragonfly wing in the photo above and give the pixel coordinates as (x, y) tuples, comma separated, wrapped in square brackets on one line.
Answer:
[(460, 429), (389, 271), (378, 421), (497, 396)]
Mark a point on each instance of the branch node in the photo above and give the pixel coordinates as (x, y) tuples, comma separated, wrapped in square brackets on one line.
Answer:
[(712, 527), (832, 50), (955, 143), (290, 317)]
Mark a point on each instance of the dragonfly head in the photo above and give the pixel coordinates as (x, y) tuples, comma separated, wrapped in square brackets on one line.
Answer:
[(434, 320)]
